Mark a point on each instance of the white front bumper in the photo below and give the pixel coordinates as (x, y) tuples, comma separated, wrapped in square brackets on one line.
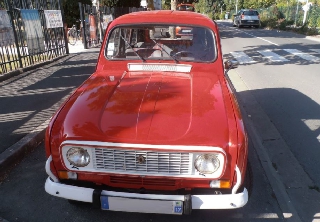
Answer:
[(222, 201), (145, 203)]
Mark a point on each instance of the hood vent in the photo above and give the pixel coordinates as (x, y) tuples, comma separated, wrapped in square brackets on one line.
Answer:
[(159, 67)]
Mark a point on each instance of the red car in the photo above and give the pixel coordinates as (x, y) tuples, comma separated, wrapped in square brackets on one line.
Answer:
[(156, 128)]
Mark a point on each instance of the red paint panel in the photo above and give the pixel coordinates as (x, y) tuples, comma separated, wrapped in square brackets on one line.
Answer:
[(172, 114)]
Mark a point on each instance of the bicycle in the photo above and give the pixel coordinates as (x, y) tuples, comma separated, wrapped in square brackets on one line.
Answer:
[(73, 35)]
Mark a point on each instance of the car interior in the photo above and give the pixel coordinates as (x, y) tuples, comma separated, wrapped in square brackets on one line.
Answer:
[(161, 42)]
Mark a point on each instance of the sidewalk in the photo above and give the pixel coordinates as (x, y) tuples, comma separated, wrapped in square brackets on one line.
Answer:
[(30, 99)]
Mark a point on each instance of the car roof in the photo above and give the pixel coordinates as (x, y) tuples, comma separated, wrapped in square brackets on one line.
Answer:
[(165, 16), (248, 10)]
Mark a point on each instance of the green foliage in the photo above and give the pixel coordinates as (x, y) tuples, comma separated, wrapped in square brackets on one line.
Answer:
[(313, 31), (71, 10), (120, 3), (269, 23), (201, 6), (314, 16), (185, 1), (2, 5), (166, 4), (109, 3)]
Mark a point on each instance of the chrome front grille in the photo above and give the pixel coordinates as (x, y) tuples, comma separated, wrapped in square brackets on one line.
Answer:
[(141, 161)]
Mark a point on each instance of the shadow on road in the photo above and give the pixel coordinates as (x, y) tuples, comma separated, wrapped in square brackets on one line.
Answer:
[(297, 118), (31, 98)]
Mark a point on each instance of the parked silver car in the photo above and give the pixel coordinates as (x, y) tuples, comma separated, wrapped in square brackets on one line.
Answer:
[(247, 17)]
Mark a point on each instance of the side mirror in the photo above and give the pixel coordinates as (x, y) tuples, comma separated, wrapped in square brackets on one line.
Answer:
[(231, 64)]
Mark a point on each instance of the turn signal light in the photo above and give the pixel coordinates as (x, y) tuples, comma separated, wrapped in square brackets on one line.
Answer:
[(220, 184), (224, 183), (67, 175)]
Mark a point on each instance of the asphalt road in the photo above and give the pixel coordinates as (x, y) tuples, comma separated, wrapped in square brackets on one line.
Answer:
[(23, 198), (279, 71)]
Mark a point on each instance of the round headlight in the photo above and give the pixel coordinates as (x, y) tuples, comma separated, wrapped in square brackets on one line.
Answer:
[(78, 157), (207, 163)]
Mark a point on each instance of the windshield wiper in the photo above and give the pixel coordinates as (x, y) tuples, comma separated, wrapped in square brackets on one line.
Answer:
[(173, 57), (132, 49)]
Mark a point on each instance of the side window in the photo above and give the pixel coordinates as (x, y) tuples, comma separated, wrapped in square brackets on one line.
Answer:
[(113, 43), (118, 43)]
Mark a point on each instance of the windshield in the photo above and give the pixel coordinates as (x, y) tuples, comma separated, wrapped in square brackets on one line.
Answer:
[(250, 13), (185, 8), (161, 42)]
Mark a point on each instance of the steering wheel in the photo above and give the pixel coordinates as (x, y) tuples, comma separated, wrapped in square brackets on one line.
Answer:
[(183, 52)]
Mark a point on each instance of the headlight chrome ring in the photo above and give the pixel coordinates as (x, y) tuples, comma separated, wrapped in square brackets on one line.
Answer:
[(207, 163), (78, 157)]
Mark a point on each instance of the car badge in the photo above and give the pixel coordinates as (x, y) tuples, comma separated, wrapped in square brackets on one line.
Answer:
[(141, 159)]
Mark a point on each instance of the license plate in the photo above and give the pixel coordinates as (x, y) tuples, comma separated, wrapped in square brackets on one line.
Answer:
[(141, 205)]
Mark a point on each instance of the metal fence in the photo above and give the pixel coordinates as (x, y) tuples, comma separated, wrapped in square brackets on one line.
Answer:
[(20, 47), (94, 21)]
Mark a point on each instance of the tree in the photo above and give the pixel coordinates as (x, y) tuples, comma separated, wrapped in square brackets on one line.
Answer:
[(166, 4), (120, 3), (173, 4), (2, 6), (71, 10), (150, 5)]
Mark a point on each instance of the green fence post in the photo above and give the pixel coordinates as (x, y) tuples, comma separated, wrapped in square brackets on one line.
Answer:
[(64, 33), (14, 32)]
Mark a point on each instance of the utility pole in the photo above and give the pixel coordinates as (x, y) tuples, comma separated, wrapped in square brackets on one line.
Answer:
[(236, 6), (172, 30), (295, 20), (99, 21)]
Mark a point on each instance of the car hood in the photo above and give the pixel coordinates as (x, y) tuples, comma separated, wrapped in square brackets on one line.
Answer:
[(149, 108)]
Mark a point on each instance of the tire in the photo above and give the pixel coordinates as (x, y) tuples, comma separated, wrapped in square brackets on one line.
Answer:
[(239, 26), (248, 180)]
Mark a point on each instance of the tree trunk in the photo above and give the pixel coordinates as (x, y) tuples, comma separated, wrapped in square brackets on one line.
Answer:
[(172, 30), (150, 5), (174, 5)]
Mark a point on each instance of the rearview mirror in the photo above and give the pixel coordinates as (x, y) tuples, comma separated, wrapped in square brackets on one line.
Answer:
[(231, 64)]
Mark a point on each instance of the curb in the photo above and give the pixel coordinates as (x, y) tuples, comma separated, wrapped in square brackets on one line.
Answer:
[(15, 153), (313, 38), (288, 210), (25, 69), (19, 150)]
